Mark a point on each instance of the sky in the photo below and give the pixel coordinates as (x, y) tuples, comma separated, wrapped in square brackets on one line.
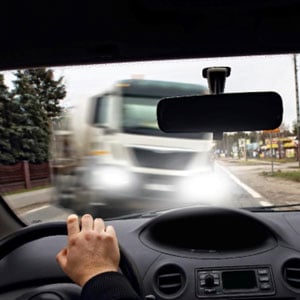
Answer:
[(255, 73)]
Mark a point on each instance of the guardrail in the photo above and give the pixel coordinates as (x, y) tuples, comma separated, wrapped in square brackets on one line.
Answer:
[(24, 175)]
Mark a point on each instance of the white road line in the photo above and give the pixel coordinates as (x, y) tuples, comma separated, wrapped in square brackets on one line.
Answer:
[(97, 204), (265, 203), (36, 209), (247, 188)]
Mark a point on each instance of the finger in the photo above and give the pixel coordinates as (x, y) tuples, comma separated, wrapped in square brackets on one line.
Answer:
[(99, 225), (73, 226), (61, 257), (87, 222), (111, 230)]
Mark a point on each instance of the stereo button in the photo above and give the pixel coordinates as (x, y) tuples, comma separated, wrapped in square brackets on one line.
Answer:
[(210, 291), (263, 272), (265, 286), (202, 282), (216, 282), (202, 275), (264, 278)]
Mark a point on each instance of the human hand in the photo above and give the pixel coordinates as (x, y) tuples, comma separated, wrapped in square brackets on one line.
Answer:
[(90, 251)]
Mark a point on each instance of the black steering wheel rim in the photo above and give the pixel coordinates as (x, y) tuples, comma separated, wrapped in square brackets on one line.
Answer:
[(41, 230)]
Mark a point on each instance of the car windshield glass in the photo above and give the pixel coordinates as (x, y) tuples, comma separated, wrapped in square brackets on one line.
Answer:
[(86, 139), (140, 113)]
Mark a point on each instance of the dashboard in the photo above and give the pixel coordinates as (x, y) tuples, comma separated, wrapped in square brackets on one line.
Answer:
[(191, 253)]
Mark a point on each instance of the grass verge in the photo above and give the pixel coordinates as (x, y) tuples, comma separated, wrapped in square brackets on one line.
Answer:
[(289, 175), (277, 160)]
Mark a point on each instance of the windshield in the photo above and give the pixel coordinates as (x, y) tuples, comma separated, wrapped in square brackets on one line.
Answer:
[(140, 113), (86, 139)]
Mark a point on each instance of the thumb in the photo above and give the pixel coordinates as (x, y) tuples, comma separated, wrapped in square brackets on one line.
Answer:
[(61, 258)]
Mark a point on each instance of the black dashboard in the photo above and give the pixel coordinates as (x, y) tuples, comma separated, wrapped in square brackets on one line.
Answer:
[(192, 253)]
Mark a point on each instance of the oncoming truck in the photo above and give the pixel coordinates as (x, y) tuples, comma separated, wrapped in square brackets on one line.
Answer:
[(126, 155)]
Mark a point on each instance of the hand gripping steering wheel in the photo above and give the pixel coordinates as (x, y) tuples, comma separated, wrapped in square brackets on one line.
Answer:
[(59, 290)]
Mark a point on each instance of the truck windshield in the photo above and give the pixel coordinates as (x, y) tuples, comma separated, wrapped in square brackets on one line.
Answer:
[(139, 117)]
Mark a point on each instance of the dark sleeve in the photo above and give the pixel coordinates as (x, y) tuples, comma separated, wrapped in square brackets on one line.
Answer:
[(108, 286)]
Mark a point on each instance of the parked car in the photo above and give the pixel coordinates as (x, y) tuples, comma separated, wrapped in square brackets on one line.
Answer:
[(228, 234)]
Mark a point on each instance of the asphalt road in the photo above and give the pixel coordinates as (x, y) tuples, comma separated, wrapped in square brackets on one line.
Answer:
[(227, 186), (273, 190)]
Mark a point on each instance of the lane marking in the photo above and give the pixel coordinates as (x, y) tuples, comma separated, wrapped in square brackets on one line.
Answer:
[(265, 203), (247, 188), (35, 209), (97, 204)]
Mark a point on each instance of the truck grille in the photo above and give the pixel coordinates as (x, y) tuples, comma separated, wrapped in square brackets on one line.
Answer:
[(161, 159)]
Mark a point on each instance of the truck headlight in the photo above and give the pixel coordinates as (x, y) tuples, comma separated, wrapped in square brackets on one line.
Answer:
[(110, 177)]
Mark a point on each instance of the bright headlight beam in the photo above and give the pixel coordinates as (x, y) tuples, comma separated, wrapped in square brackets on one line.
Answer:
[(110, 177), (205, 188)]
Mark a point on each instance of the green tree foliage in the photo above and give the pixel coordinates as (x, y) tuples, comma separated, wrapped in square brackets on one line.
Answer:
[(35, 101), (29, 138), (48, 90), (6, 156)]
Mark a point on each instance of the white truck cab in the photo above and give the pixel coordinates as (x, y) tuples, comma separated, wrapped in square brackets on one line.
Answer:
[(126, 155)]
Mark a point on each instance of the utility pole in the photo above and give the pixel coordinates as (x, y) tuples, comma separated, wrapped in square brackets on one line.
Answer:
[(297, 106), (272, 158)]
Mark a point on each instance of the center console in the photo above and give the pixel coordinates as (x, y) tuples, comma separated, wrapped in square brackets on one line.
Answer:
[(255, 281)]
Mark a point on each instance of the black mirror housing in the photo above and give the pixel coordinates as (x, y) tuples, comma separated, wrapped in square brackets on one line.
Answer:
[(220, 113)]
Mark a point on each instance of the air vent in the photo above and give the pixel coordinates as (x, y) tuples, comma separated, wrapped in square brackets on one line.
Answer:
[(170, 279), (291, 272)]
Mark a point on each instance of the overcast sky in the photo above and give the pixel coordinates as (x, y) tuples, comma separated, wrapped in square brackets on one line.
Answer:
[(258, 73)]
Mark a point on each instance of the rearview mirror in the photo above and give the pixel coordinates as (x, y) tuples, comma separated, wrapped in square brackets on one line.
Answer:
[(220, 113)]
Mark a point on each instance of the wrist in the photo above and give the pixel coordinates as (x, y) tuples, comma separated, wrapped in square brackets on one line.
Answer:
[(85, 278)]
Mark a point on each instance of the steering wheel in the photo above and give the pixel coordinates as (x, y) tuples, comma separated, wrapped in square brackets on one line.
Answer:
[(60, 291)]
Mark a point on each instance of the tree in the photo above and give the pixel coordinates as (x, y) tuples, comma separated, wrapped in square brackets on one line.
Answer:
[(6, 156), (48, 90), (294, 128), (36, 97), (26, 115), (284, 130)]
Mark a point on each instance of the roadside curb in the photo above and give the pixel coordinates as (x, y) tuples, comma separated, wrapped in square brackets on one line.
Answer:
[(20, 200)]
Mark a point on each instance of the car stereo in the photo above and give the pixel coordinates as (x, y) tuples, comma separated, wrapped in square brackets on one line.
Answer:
[(234, 282)]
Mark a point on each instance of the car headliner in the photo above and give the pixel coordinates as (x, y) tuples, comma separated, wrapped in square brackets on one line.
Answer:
[(60, 33), (70, 33)]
